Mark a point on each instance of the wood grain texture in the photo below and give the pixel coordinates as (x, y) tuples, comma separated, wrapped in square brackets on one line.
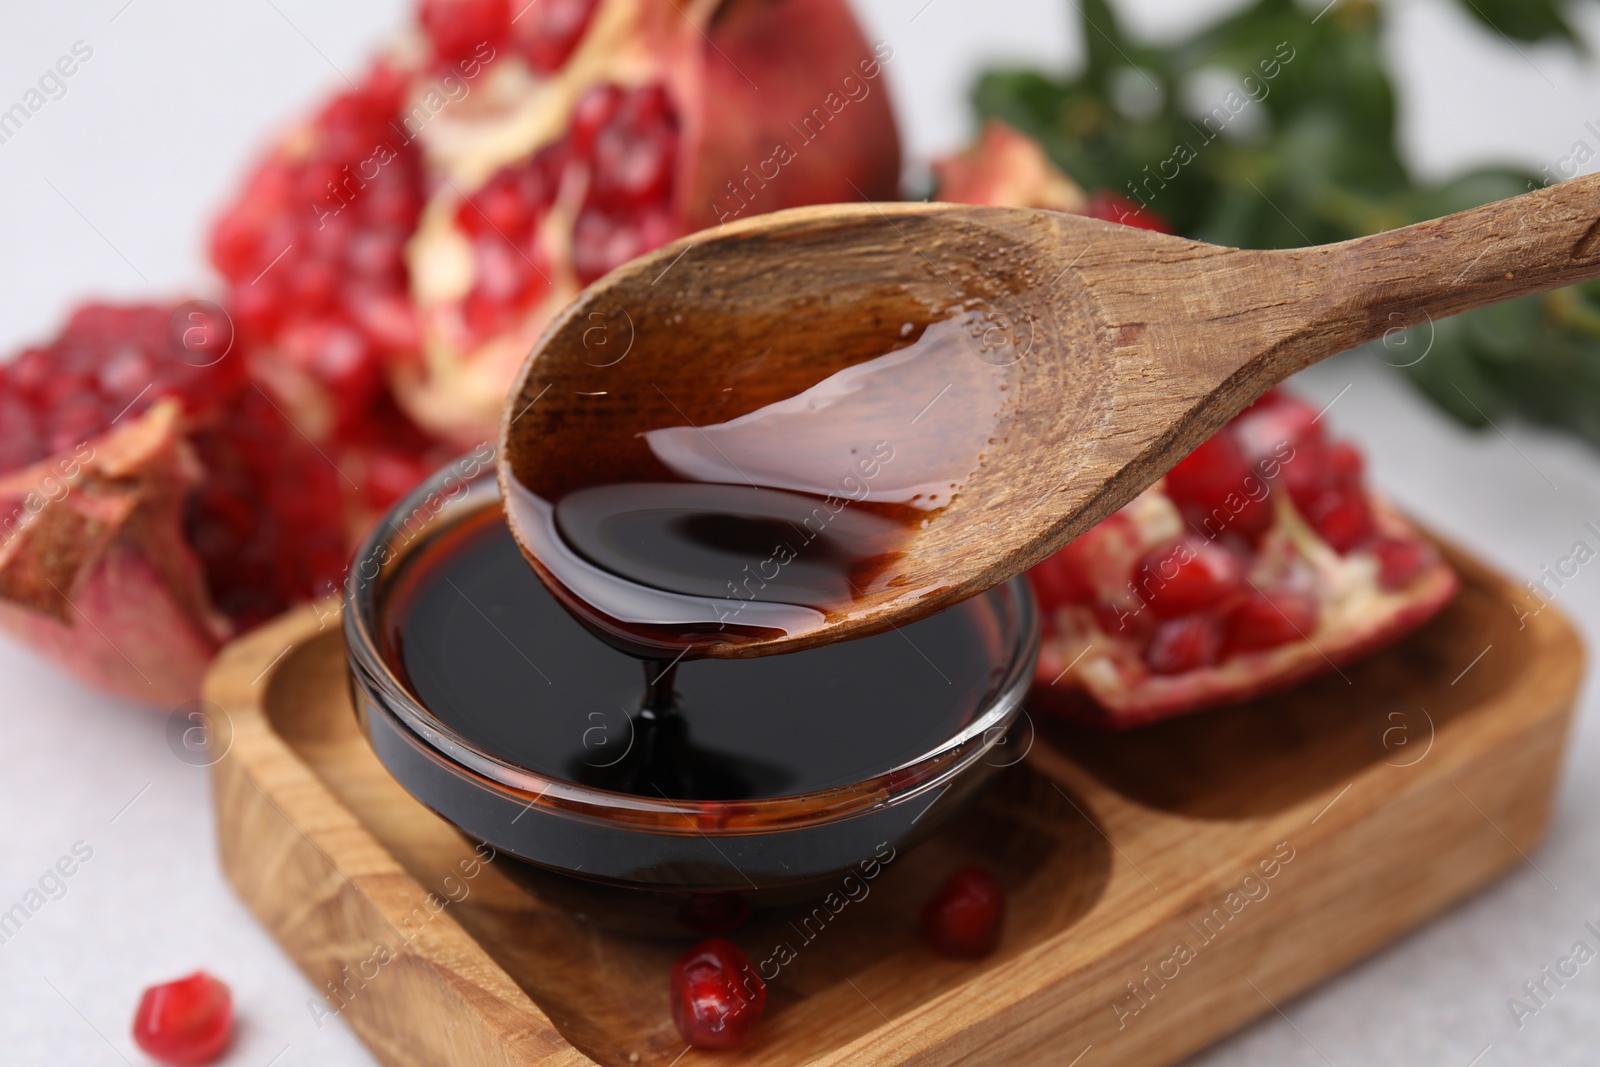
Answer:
[(1396, 790), (1130, 348)]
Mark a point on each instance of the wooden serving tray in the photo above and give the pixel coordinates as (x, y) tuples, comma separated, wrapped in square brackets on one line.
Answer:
[(1165, 886)]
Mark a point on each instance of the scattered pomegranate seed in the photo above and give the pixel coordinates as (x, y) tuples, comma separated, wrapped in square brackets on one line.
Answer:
[(184, 1022), (717, 996), (1184, 644), (962, 919), (1189, 575)]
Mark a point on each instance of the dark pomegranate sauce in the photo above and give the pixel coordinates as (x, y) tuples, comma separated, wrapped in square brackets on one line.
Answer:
[(480, 643), (779, 514)]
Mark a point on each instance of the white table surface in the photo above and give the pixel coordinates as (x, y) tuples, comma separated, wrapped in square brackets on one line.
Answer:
[(107, 191)]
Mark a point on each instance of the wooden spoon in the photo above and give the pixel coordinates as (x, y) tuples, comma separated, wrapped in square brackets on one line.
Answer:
[(1127, 348)]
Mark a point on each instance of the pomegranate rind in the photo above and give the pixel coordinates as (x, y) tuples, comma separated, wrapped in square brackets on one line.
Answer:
[(95, 572), (1006, 168)]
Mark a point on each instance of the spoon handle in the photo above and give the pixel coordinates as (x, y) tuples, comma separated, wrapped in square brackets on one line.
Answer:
[(1406, 277)]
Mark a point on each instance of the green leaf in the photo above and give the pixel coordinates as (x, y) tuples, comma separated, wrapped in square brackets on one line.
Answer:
[(1525, 20), (1275, 127)]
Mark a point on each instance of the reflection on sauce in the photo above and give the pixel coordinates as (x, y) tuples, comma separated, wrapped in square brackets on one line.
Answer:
[(778, 517)]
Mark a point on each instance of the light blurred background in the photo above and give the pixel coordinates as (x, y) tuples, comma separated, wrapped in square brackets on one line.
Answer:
[(108, 191)]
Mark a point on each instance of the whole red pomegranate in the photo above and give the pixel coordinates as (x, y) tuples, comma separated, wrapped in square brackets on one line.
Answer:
[(1259, 560), (420, 231)]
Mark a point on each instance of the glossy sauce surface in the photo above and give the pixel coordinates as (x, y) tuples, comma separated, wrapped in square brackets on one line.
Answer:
[(680, 533), (480, 643)]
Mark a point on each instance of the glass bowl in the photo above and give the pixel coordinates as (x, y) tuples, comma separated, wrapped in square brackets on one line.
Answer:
[(652, 864)]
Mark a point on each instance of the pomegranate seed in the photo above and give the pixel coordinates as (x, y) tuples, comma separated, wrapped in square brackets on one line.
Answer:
[(458, 27), (633, 154), (259, 307), (323, 226), (384, 91), (629, 139), (379, 256), (1283, 439), (632, 166), (184, 1022), (314, 285), (717, 996), (388, 319), (199, 333), (962, 919), (266, 523), (591, 114), (1269, 619), (1186, 644), (553, 30), (110, 363), (602, 242), (1056, 581), (505, 274), (1341, 516), (1189, 575), (501, 207), (1344, 463), (1124, 618), (19, 444), (1400, 560), (1217, 490), (393, 204)]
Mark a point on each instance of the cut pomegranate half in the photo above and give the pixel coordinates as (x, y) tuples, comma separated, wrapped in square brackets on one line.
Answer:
[(1133, 636), (1259, 560), (154, 500), (417, 234)]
